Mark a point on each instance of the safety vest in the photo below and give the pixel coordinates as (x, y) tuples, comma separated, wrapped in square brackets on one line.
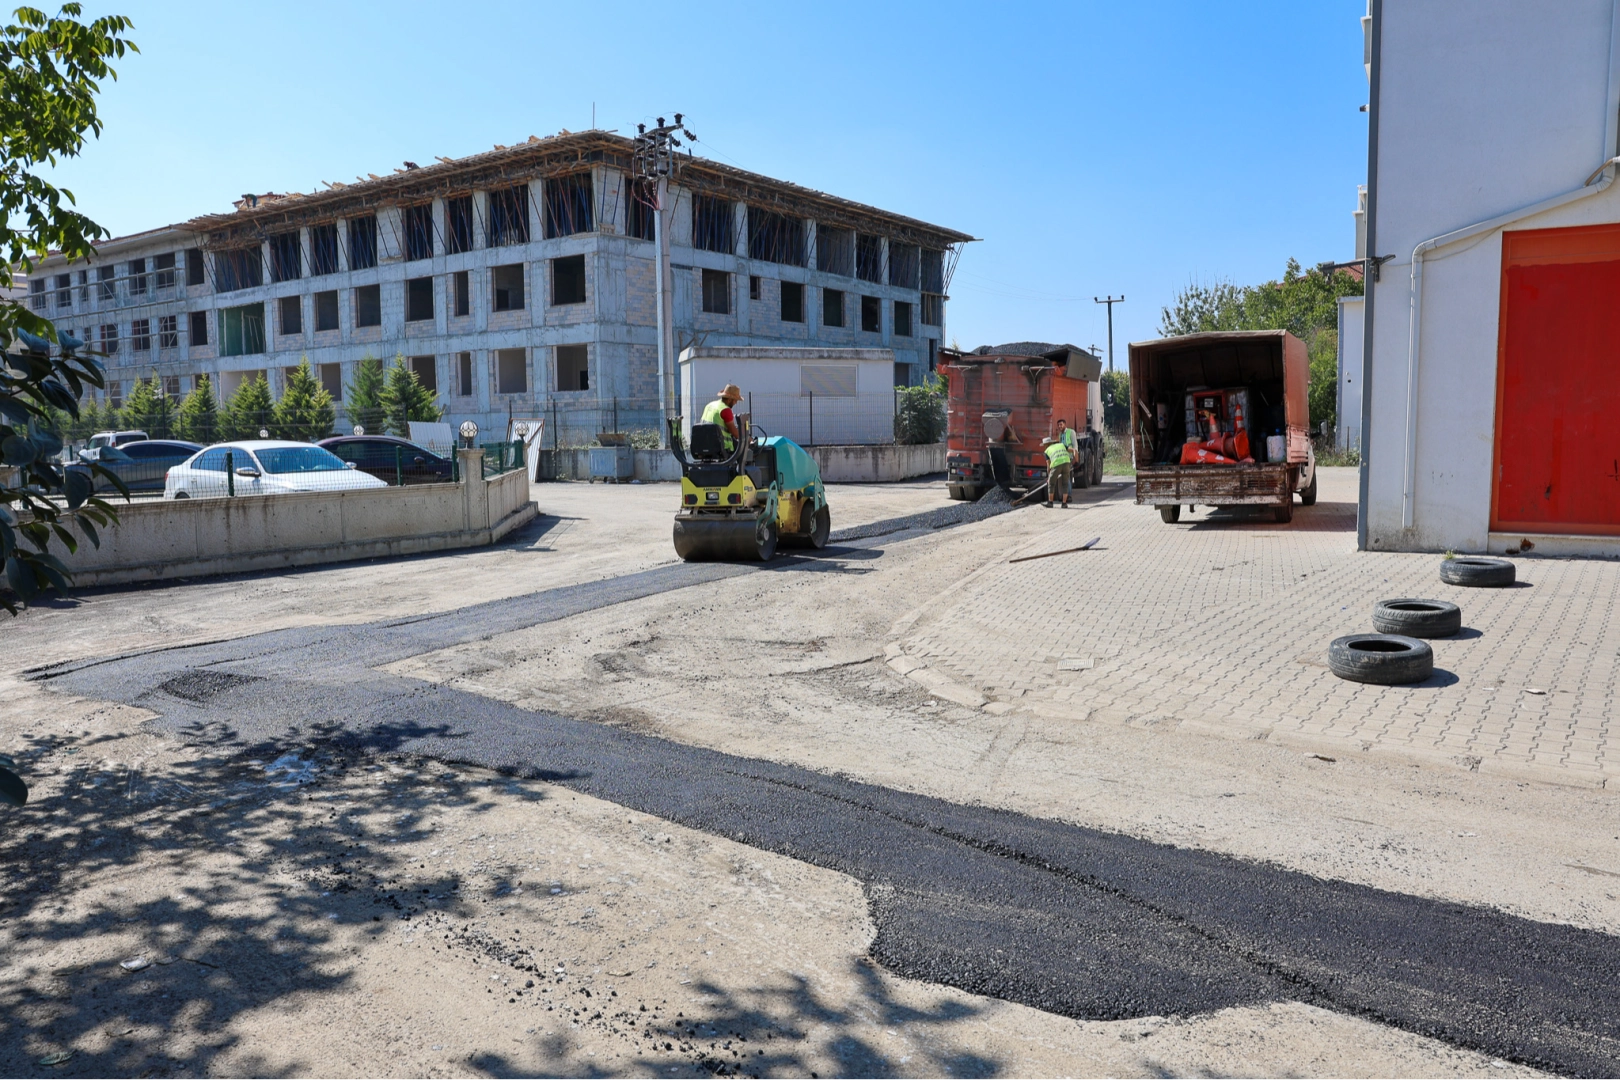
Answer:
[(711, 415), (1067, 438), (1057, 454)]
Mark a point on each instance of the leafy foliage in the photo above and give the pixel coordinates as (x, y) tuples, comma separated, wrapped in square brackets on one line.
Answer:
[(198, 419), (1116, 400), (920, 417), (1304, 303), (50, 71), (363, 398), (305, 410), (249, 410), (404, 399)]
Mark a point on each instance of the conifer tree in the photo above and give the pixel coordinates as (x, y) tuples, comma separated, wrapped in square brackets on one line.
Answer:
[(249, 410), (305, 409), (404, 399), (199, 418), (363, 398), (149, 409)]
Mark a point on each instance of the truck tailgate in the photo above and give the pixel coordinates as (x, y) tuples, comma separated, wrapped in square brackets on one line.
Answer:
[(1263, 484)]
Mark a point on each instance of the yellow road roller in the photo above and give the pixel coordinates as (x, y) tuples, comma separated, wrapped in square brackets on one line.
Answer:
[(739, 505)]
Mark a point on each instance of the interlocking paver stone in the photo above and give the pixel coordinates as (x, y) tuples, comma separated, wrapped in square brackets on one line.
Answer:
[(1223, 625)]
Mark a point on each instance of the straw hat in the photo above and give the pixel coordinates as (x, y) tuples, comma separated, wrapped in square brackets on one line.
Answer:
[(733, 391)]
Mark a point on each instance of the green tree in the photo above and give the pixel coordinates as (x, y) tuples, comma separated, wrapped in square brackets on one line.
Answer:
[(52, 70), (404, 399), (199, 413), (920, 414), (363, 398), (1116, 400), (305, 409), (1304, 303), (249, 410), (150, 410)]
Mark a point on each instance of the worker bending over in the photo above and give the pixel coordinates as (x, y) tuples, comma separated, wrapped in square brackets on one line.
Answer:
[(1059, 463), (719, 412)]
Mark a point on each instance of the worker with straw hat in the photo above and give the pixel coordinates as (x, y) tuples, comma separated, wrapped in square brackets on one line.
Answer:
[(719, 412)]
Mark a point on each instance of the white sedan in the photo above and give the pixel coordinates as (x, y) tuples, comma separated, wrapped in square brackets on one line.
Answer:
[(263, 467)]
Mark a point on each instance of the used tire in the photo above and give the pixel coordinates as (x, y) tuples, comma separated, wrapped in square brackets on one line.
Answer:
[(1383, 659), (1476, 572), (1417, 618), (1285, 513), (1169, 514)]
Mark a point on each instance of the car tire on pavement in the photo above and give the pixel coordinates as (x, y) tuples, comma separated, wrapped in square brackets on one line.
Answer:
[(1417, 618), (1384, 659), (1475, 572), (1169, 514)]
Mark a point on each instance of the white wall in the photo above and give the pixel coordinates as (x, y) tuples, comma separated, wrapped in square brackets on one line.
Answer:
[(1486, 106), (771, 377), (1351, 341)]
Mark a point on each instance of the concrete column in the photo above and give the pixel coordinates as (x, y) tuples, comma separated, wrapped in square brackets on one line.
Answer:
[(474, 497)]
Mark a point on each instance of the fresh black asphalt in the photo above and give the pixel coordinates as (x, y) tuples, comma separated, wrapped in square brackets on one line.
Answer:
[(1071, 920)]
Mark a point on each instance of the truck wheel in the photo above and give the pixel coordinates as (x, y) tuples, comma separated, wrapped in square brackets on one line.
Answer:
[(1170, 514), (1308, 496), (1384, 659), (956, 492), (1417, 618), (1477, 573), (1082, 476), (1097, 467), (1284, 513)]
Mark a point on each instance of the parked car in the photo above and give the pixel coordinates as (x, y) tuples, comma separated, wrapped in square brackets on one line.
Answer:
[(264, 467), (390, 459), (115, 438), (141, 465)]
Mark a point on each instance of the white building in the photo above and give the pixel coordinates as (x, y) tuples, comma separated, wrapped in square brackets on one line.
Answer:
[(816, 397), (1493, 311), (518, 281)]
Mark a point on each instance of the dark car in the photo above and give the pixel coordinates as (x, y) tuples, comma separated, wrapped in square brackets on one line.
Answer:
[(391, 459), (140, 465)]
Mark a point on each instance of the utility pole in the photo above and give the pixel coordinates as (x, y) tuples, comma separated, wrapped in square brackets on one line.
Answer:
[(655, 160), (1110, 300)]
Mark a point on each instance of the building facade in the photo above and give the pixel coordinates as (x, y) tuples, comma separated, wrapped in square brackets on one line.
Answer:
[(1492, 332), (517, 283)]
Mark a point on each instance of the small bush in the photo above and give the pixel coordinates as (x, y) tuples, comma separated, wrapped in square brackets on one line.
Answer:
[(920, 417)]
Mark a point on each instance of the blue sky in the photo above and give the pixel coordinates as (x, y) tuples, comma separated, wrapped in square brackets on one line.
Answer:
[(1096, 148)]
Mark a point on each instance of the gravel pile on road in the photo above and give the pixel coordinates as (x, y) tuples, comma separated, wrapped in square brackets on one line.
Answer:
[(995, 501)]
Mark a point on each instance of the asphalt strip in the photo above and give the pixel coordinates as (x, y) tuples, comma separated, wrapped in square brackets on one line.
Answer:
[(1075, 921)]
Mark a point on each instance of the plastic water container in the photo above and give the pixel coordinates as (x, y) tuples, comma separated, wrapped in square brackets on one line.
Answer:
[(1276, 447)]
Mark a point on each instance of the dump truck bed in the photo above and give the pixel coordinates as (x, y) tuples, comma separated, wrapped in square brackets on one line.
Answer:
[(1260, 484)]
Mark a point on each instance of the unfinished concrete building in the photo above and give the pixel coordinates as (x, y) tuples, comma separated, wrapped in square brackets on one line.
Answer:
[(517, 282)]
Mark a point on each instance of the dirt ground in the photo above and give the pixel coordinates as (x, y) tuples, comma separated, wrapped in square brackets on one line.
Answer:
[(175, 909)]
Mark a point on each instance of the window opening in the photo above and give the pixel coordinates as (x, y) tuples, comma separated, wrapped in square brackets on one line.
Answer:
[(573, 367), (933, 309), (419, 232), (109, 338), (871, 315), (332, 380), (902, 318), (753, 287), (792, 302), (774, 237), (463, 280), (506, 284), (164, 265), (368, 305), (639, 196), (286, 262), (363, 242), (241, 268), (197, 332), (712, 223), (137, 277), (290, 315), (509, 216), (168, 331), (464, 372), (196, 269), (323, 249), (36, 294), (419, 300), (717, 292), (140, 335), (427, 372), (459, 215), (835, 251), (568, 205), (869, 258), (241, 330), (903, 265), (107, 287), (832, 307), (511, 372), (326, 310), (64, 292), (568, 280), (933, 270)]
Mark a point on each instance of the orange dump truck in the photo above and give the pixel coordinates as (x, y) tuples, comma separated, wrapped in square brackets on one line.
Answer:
[(1003, 400), (1222, 419)]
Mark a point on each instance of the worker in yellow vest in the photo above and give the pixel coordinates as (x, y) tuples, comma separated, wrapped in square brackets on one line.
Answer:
[(1058, 467), (719, 411)]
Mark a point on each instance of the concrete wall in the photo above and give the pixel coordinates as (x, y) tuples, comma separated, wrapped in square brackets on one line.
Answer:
[(1485, 107), (165, 539), (839, 464), (770, 380)]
